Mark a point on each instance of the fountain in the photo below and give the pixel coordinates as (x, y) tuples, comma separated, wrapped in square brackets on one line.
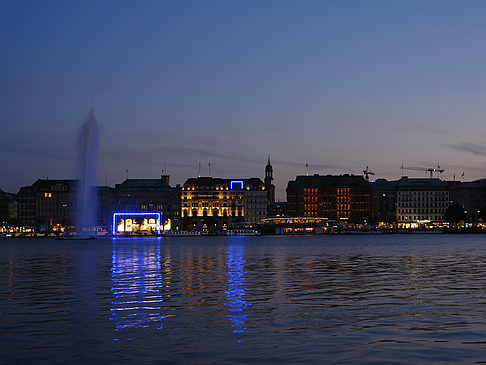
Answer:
[(86, 202)]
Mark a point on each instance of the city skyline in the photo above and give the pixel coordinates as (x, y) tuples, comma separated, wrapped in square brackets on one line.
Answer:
[(337, 86)]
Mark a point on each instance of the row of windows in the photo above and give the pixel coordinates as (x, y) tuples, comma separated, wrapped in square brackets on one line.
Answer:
[(205, 213), (420, 217), (405, 193), (414, 205), (425, 211), (423, 199)]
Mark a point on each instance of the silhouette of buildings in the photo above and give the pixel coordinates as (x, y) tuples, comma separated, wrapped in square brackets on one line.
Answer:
[(149, 195), (471, 195), (47, 203), (383, 201), (269, 183)]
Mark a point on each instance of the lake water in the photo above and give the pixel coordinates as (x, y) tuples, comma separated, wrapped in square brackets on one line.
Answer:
[(403, 299)]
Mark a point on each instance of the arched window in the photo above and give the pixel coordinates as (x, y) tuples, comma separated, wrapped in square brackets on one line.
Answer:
[(121, 226), (128, 225)]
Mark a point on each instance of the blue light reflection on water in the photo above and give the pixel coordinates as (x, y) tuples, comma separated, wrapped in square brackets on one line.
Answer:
[(235, 294), (137, 281)]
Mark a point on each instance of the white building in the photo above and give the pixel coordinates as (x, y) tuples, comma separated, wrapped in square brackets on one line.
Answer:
[(421, 201)]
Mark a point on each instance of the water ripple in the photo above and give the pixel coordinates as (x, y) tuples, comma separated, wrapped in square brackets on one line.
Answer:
[(389, 300)]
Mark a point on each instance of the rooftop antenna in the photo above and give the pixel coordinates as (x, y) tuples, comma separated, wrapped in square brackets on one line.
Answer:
[(127, 173), (209, 168), (199, 171), (306, 169)]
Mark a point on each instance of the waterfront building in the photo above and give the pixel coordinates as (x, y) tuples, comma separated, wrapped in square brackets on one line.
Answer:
[(336, 197), (421, 201), (471, 196), (383, 201), (106, 200), (269, 183), (149, 196), (276, 209), (8, 209), (217, 202), (47, 204)]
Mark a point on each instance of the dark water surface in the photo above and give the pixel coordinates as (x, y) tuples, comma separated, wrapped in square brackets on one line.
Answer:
[(349, 299)]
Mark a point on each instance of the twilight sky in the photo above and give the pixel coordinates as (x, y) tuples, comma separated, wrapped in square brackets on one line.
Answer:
[(336, 84)]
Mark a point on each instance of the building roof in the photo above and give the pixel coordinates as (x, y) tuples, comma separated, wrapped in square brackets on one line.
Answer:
[(213, 181), (144, 184), (421, 182), (45, 185), (325, 181), (384, 184)]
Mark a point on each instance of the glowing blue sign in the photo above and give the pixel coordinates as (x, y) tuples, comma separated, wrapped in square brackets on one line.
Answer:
[(128, 215), (237, 184)]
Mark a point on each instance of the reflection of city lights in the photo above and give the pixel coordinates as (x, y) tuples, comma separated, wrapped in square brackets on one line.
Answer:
[(136, 284), (235, 294)]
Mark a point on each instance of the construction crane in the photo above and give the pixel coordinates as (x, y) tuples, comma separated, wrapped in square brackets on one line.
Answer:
[(367, 173), (430, 170)]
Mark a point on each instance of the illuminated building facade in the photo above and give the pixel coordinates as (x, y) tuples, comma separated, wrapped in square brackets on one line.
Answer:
[(149, 195), (136, 223), (421, 201), (336, 197), (223, 201)]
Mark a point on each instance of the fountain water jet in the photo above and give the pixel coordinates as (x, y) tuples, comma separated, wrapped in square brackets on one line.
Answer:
[(86, 209)]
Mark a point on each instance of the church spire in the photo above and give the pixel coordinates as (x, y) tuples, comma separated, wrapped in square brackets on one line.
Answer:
[(269, 184)]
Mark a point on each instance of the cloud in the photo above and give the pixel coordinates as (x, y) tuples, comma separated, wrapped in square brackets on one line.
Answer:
[(53, 148), (302, 164), (38, 82), (475, 149), (31, 82), (101, 86)]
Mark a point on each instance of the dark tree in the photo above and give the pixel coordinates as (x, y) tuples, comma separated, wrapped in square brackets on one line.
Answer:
[(455, 213), (482, 214)]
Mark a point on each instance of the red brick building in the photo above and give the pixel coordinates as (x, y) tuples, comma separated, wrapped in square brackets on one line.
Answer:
[(337, 197)]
